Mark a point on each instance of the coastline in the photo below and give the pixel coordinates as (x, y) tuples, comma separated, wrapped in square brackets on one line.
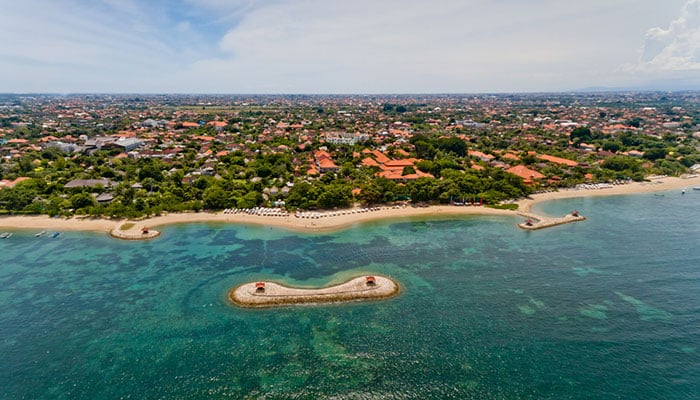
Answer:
[(658, 184), (327, 222)]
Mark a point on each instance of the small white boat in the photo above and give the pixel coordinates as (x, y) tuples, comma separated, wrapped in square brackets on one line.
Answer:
[(40, 234), (696, 188), (5, 235)]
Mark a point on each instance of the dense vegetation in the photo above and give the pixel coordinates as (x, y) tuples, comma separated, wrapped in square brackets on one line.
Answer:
[(254, 161), (150, 186)]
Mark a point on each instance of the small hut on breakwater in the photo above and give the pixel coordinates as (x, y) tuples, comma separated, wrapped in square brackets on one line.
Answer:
[(271, 294)]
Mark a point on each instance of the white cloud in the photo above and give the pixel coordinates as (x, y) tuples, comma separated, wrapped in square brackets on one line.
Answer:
[(677, 47), (406, 46), (102, 46), (308, 46)]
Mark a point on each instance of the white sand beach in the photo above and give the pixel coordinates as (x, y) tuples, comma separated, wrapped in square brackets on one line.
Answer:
[(328, 220)]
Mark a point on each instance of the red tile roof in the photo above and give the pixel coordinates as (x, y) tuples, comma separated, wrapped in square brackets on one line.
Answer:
[(380, 157), (525, 172), (558, 160), (369, 162)]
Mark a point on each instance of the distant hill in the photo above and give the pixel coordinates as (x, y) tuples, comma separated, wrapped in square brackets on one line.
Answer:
[(651, 87)]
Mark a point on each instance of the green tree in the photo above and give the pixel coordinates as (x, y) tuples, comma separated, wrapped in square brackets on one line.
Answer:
[(425, 150), (655, 153), (82, 200), (335, 195), (215, 198), (582, 133), (612, 146)]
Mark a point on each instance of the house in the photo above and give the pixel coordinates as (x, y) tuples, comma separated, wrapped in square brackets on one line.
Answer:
[(324, 162), (481, 156), (346, 138), (126, 144), (105, 198), (63, 147), (587, 147), (218, 125), (91, 183), (558, 160), (529, 175), (380, 157), (369, 162), (8, 184), (326, 165)]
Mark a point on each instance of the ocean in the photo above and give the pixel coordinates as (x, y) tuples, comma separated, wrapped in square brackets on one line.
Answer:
[(607, 308)]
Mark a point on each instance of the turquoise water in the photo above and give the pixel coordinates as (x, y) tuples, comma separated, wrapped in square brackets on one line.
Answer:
[(606, 308)]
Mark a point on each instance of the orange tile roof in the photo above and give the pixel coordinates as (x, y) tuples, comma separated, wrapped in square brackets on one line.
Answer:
[(525, 172), (557, 160), (369, 162), (380, 157), (9, 184), (393, 174), (409, 162), (321, 154), (327, 163), (479, 154)]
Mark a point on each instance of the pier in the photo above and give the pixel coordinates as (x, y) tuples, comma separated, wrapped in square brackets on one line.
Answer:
[(271, 294), (535, 222)]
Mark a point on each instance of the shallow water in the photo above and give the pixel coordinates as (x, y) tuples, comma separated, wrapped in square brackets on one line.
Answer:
[(605, 308)]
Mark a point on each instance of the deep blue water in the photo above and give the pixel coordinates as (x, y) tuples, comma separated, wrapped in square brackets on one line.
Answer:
[(608, 308)]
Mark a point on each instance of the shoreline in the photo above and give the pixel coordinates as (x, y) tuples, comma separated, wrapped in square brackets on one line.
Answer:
[(270, 294), (328, 223)]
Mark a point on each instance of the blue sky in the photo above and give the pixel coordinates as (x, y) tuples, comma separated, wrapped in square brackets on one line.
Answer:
[(343, 46)]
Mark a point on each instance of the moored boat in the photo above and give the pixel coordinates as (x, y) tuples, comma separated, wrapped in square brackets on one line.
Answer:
[(40, 234), (55, 234), (5, 235)]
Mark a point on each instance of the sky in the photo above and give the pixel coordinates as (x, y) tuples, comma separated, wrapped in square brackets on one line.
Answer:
[(347, 46)]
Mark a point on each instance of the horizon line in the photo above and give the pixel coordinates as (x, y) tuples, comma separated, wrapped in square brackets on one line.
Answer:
[(388, 94)]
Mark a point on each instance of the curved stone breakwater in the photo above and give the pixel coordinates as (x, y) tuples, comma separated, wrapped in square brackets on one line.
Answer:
[(137, 233), (270, 294), (535, 222)]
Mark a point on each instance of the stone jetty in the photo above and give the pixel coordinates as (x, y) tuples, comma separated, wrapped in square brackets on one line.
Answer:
[(133, 232), (535, 222), (270, 294)]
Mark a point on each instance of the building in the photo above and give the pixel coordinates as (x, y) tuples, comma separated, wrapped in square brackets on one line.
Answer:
[(346, 138), (91, 183), (530, 176)]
